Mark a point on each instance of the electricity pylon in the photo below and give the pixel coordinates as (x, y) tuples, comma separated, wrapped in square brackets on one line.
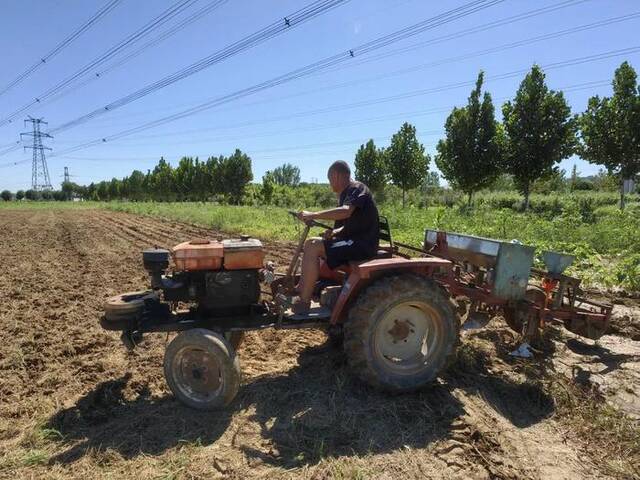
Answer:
[(39, 172)]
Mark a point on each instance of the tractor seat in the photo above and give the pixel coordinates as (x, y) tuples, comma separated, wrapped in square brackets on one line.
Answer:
[(346, 268)]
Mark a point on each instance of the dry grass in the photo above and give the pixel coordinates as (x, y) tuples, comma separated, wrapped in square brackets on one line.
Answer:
[(73, 404), (605, 431)]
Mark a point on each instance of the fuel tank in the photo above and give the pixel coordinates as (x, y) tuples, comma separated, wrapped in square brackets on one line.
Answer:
[(199, 254), (243, 253)]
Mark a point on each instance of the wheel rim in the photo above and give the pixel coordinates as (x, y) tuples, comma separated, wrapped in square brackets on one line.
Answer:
[(197, 374), (406, 337)]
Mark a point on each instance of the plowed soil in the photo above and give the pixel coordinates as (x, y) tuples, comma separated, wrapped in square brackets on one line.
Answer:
[(75, 404)]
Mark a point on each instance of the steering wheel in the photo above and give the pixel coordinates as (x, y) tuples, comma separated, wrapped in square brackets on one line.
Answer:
[(310, 223)]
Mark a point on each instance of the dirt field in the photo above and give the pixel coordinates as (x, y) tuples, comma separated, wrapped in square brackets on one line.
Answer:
[(74, 404)]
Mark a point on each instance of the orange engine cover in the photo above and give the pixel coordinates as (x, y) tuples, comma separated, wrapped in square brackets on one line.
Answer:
[(243, 253), (198, 255)]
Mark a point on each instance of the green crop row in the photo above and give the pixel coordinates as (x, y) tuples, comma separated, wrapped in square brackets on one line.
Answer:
[(605, 241)]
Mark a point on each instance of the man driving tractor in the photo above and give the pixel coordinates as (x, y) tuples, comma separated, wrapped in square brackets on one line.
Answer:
[(354, 237)]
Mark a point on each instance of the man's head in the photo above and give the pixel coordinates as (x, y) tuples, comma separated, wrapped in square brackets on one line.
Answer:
[(339, 175)]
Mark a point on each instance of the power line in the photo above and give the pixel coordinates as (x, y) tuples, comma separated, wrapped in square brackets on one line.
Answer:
[(567, 88), (456, 35), (475, 54), (363, 49), (151, 43), (539, 38), (164, 17), (58, 48), (451, 86), (406, 95), (276, 28), (461, 33)]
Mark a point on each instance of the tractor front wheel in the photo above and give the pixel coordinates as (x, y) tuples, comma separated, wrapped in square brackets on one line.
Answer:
[(401, 332), (202, 369)]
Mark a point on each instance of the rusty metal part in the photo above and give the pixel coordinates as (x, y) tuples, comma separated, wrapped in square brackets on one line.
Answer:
[(400, 330), (197, 373)]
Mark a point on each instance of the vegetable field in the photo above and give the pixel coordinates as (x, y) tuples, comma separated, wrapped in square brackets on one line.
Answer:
[(605, 241), (75, 404)]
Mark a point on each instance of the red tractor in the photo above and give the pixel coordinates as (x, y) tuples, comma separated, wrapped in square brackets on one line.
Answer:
[(395, 314)]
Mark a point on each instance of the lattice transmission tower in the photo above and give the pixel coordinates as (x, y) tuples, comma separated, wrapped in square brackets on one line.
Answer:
[(39, 171)]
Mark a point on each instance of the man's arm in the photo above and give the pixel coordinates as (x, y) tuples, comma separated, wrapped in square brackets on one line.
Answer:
[(338, 213)]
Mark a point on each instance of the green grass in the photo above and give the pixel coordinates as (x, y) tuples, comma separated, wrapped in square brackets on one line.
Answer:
[(45, 205), (607, 246), (605, 241)]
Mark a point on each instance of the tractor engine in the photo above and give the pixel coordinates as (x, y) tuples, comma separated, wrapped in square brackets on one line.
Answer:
[(221, 278)]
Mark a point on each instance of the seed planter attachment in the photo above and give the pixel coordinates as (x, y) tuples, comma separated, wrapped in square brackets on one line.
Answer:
[(499, 276)]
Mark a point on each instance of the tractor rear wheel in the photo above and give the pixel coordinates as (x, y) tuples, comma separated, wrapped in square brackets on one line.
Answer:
[(401, 332), (202, 369)]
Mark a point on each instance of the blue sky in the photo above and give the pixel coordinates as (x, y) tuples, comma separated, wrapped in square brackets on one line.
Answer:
[(309, 122)]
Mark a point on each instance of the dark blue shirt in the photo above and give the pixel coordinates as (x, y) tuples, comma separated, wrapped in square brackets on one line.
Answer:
[(362, 226)]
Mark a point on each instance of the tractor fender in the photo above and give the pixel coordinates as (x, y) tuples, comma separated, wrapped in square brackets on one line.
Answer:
[(363, 273)]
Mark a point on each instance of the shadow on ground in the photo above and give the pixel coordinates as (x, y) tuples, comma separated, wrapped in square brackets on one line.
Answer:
[(104, 419), (611, 360), (315, 410)]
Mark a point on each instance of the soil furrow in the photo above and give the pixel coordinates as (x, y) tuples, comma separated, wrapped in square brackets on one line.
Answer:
[(75, 404)]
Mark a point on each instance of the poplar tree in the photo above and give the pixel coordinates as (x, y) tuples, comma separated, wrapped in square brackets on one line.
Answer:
[(406, 160), (235, 172), (470, 156), (610, 128), (370, 166), (286, 174), (539, 131)]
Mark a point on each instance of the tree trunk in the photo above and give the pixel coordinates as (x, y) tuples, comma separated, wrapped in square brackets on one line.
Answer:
[(526, 198), (403, 192), (622, 205), (469, 199)]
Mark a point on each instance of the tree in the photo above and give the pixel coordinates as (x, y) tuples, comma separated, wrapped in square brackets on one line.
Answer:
[(59, 196), (539, 131), (370, 166), (102, 192), (19, 194), (470, 157), (609, 128), (574, 177), (162, 182), (555, 181), (32, 195), (268, 183), (135, 185), (286, 174), (6, 195), (200, 181), (68, 188), (114, 189), (184, 176), (406, 160), (235, 174)]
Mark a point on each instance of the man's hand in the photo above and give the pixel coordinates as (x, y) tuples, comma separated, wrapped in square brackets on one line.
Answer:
[(331, 233), (305, 216)]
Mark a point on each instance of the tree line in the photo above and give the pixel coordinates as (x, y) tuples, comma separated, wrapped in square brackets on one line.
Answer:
[(537, 131)]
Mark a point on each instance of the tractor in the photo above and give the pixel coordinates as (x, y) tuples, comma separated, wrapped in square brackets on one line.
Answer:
[(397, 315)]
